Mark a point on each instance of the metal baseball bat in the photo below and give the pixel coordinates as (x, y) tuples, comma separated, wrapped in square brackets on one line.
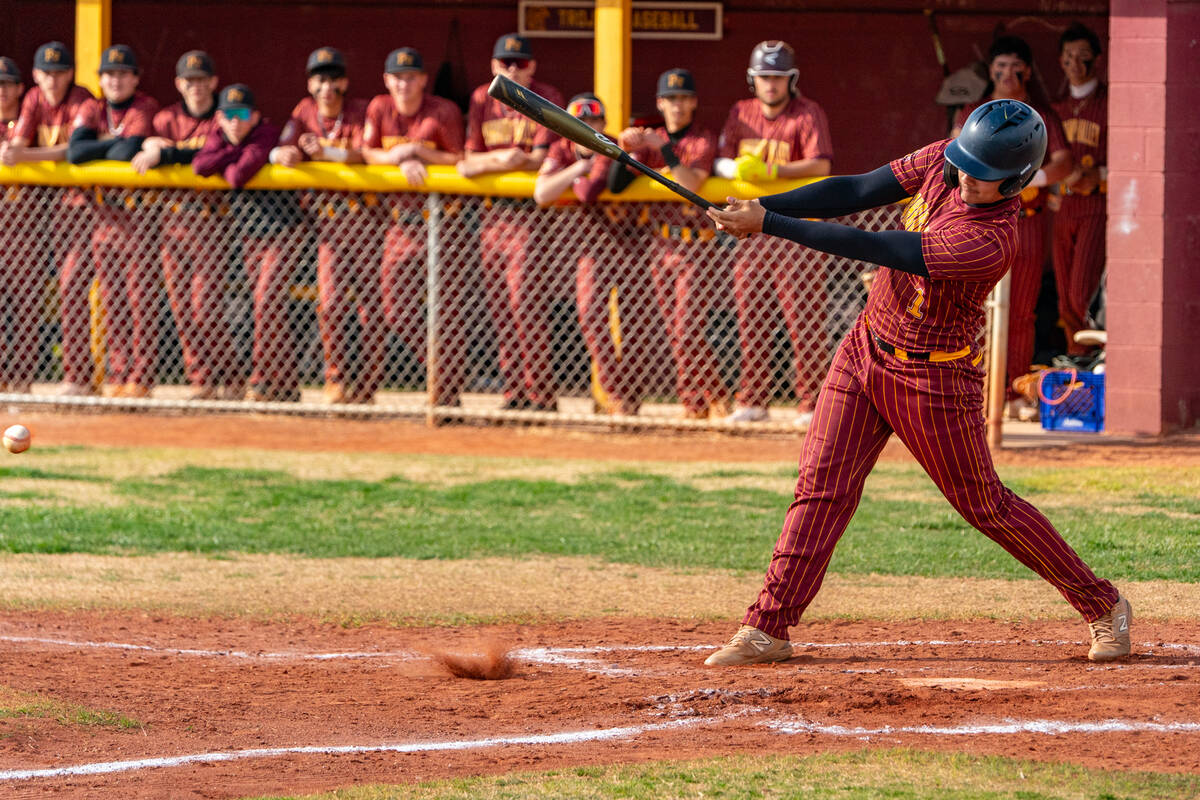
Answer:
[(545, 113)]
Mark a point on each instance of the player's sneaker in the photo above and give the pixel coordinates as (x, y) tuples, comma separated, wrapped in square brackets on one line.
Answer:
[(750, 646), (1110, 633), (748, 414)]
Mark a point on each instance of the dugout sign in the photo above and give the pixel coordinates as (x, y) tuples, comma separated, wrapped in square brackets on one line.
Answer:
[(651, 20)]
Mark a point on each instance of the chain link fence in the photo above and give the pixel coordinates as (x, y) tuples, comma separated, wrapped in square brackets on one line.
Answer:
[(450, 307)]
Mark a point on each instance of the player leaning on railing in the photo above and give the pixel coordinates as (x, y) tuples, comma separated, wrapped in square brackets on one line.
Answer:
[(909, 366)]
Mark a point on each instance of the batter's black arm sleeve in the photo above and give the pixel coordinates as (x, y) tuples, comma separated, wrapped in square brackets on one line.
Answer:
[(896, 249), (837, 197), (619, 177)]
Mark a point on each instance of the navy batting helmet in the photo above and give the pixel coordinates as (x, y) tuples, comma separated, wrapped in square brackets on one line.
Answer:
[(773, 58), (1002, 140)]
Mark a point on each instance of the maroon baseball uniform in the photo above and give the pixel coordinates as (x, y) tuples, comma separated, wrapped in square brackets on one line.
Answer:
[(1079, 225), (128, 279), (346, 279), (685, 273), (275, 373), (519, 293), (42, 124), (18, 325), (194, 256), (1028, 265), (436, 124), (934, 404), (766, 283), (623, 371)]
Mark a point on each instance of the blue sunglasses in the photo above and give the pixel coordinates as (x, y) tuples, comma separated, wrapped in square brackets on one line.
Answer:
[(237, 113)]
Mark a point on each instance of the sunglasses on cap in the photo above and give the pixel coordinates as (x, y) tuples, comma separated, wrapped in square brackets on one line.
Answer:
[(585, 108), (242, 114), (519, 63)]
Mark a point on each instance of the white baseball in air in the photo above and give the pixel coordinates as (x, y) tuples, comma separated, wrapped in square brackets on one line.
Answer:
[(17, 439)]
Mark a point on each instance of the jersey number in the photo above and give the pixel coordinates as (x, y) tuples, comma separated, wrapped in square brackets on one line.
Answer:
[(914, 307)]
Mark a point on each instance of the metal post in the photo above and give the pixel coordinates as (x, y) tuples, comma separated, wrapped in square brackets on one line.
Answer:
[(997, 380), (433, 298)]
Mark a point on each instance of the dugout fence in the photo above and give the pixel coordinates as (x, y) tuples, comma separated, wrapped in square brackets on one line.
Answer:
[(341, 290)]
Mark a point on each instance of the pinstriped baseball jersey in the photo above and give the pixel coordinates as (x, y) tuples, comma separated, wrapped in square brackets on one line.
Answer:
[(1085, 122), (491, 125), (966, 249), (344, 131), (43, 125), (696, 148), (800, 131), (437, 123), (135, 119), (185, 131)]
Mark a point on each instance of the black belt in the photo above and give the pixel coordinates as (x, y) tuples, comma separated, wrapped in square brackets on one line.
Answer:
[(908, 355)]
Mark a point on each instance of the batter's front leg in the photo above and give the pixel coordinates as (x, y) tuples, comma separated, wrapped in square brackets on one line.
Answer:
[(840, 448)]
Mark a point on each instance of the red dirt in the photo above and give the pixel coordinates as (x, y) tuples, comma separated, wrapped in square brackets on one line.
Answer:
[(939, 674), (1027, 446), (887, 680)]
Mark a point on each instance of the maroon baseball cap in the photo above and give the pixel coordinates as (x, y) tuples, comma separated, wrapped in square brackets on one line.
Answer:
[(194, 64)]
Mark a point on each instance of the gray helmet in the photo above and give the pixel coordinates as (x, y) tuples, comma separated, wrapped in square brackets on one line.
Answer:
[(773, 57), (1002, 140)]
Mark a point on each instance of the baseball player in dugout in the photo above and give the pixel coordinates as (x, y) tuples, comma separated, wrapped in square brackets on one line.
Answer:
[(622, 365), (683, 262), (409, 128), (1010, 67), (1079, 225), (518, 291), (266, 224), (18, 319), (910, 366), (778, 133), (43, 129), (192, 244), (113, 128), (326, 126)]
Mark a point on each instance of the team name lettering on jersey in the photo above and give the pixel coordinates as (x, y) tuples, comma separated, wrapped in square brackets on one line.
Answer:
[(50, 135), (392, 141), (771, 151), (915, 215), (1082, 131), (508, 132)]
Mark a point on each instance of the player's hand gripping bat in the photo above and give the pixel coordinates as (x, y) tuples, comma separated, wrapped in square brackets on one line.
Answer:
[(545, 113)]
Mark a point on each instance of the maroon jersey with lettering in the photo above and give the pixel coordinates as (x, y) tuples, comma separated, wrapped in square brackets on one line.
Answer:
[(491, 125), (437, 124), (136, 119), (44, 125), (966, 249), (185, 131), (695, 148), (1033, 198), (344, 131), (800, 131), (1085, 123)]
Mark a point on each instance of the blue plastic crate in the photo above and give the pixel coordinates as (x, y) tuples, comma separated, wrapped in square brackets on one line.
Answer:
[(1071, 401)]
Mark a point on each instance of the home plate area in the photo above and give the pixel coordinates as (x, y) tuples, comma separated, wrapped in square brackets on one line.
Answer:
[(233, 707)]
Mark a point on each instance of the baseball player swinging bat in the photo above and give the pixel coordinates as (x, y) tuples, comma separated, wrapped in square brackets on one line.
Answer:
[(545, 113)]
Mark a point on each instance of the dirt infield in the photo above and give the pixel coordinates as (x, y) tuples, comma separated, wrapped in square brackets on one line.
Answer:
[(1025, 443), (232, 708)]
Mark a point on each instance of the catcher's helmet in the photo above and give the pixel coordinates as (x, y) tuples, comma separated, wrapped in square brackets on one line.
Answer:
[(1002, 140), (773, 58)]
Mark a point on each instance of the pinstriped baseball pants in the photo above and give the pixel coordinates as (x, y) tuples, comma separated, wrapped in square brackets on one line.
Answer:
[(937, 412)]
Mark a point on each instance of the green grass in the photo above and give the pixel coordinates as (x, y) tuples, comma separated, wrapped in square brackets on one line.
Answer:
[(864, 775), (1128, 523), (15, 704)]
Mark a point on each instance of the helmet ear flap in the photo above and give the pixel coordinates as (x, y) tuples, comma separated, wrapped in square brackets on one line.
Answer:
[(1012, 186), (950, 174)]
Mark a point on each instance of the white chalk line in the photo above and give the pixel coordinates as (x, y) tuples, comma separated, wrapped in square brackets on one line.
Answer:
[(1046, 727), (565, 656), (569, 737)]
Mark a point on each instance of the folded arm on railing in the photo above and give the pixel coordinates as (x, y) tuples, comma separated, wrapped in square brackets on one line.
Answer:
[(356, 178)]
